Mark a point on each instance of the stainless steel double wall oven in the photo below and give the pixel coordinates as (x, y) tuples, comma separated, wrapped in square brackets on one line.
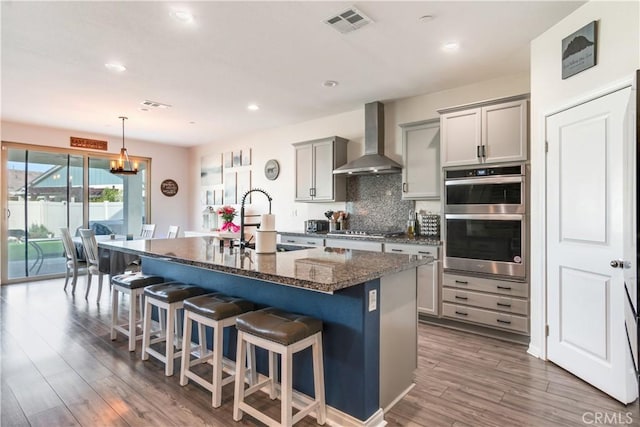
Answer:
[(485, 220)]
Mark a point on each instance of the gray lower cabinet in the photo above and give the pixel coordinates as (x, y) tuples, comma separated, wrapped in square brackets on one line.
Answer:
[(428, 276), (363, 245), (302, 240), (500, 304)]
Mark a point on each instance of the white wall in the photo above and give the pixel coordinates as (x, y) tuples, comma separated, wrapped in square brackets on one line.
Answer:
[(166, 162), (276, 144), (618, 57)]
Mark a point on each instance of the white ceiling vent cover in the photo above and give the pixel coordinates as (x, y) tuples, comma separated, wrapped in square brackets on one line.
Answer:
[(349, 20), (154, 104)]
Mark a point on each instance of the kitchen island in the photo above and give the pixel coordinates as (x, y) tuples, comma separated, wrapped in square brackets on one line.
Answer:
[(367, 302)]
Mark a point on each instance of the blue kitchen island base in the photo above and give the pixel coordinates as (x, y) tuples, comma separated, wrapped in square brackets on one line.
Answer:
[(369, 334)]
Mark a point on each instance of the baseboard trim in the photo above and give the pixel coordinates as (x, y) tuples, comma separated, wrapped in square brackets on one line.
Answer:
[(335, 417), (397, 399)]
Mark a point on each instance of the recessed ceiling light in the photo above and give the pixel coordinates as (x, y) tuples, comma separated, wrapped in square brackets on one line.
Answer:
[(451, 46), (426, 18), (143, 109), (182, 15), (329, 83), (253, 107), (115, 67)]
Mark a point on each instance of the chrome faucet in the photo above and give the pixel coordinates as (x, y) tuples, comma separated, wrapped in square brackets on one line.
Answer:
[(243, 243)]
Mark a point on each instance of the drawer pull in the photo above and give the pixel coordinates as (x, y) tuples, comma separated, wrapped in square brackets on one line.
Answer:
[(506, 322), (396, 250), (290, 241), (506, 288), (462, 298), (503, 304), (462, 282), (311, 243), (424, 252), (463, 314)]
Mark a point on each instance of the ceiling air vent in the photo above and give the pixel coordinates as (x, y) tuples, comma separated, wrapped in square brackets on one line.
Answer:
[(153, 104), (349, 20)]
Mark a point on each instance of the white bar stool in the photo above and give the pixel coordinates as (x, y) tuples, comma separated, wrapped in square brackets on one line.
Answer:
[(132, 285), (286, 334), (217, 311), (168, 297)]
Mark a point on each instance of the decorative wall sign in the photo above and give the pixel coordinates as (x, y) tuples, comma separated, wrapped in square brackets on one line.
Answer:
[(93, 144), (271, 169), (579, 50), (169, 187)]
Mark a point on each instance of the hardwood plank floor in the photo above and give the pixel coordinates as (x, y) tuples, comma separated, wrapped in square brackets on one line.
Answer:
[(59, 367)]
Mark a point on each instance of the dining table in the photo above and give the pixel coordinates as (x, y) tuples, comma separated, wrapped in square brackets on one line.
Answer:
[(109, 262)]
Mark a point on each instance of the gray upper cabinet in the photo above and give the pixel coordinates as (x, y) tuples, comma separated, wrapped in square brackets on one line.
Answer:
[(315, 162), (421, 160), (491, 132)]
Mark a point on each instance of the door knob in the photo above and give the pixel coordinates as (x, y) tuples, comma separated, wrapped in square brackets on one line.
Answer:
[(617, 263)]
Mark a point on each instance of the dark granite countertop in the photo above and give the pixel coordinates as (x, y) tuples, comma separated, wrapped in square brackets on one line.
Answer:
[(420, 240), (319, 269)]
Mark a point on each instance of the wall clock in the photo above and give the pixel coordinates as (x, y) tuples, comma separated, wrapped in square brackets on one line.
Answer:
[(271, 169), (169, 187)]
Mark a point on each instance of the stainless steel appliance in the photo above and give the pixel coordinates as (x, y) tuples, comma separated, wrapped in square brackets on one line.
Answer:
[(316, 225), (485, 222)]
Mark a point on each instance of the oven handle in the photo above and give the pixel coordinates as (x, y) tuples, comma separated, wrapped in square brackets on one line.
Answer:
[(496, 217), (485, 180)]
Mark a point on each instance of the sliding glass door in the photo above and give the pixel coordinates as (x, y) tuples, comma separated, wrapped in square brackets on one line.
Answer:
[(45, 189)]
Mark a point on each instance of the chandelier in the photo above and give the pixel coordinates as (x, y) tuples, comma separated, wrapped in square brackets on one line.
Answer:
[(123, 166)]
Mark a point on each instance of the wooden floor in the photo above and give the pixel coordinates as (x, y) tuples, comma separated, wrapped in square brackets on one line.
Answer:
[(59, 368)]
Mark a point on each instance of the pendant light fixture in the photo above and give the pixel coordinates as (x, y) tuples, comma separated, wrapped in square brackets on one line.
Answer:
[(124, 166)]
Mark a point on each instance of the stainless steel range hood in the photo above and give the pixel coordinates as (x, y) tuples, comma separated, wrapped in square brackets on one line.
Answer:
[(373, 162)]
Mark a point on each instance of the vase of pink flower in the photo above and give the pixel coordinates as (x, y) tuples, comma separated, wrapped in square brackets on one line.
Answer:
[(228, 213)]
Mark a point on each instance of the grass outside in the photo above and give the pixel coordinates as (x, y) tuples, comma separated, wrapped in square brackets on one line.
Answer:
[(50, 249)]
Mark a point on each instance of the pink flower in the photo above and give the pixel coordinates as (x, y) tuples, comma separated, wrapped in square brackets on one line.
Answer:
[(227, 213)]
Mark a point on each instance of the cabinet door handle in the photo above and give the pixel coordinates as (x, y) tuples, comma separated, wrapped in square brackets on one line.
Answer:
[(506, 288), (506, 322), (462, 282), (478, 151), (484, 151), (397, 250), (461, 313), (424, 253), (461, 298), (404, 187), (503, 304)]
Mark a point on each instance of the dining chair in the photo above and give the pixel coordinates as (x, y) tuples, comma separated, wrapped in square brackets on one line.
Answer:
[(173, 231), (72, 264), (148, 230), (91, 254)]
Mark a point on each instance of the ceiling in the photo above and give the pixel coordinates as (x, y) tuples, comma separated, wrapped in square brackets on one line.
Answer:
[(275, 54)]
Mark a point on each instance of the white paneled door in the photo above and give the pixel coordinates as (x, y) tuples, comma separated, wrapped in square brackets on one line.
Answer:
[(587, 164)]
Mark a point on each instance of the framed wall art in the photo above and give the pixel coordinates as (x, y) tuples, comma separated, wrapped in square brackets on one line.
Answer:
[(579, 50)]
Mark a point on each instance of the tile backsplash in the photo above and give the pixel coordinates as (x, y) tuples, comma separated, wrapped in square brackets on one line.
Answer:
[(375, 203)]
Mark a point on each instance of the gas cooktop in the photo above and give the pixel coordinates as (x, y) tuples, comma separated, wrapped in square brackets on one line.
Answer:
[(365, 233)]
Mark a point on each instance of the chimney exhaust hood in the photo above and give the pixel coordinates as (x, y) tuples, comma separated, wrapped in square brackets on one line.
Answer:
[(373, 162)]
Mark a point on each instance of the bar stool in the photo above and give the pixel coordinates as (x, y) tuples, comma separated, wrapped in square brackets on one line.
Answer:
[(168, 297), (217, 311), (286, 334), (132, 285)]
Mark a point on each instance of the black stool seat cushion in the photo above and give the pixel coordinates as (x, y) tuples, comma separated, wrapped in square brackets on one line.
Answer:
[(136, 280), (278, 326), (217, 306), (172, 291)]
